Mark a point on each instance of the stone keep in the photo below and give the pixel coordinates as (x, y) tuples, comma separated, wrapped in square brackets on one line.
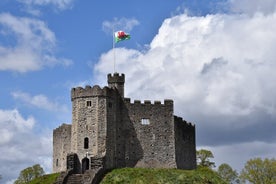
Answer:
[(109, 131)]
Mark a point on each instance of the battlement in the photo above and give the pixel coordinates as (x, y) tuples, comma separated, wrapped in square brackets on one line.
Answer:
[(179, 119), (116, 78), (89, 91), (62, 127), (167, 102)]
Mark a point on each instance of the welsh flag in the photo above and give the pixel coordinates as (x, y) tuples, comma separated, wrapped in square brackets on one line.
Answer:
[(121, 35)]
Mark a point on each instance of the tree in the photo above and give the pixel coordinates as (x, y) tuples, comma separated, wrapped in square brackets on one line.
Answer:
[(29, 174), (227, 173), (203, 158), (37, 171), (258, 171)]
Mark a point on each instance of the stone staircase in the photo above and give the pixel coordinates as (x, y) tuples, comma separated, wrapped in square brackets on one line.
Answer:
[(92, 176), (75, 179)]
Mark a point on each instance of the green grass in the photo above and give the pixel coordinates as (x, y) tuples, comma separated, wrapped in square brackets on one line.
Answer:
[(149, 176), (45, 179), (162, 176)]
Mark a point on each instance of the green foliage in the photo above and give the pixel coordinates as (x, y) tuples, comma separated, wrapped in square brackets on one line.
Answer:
[(162, 176), (45, 179), (203, 158), (258, 171), (227, 173), (30, 173)]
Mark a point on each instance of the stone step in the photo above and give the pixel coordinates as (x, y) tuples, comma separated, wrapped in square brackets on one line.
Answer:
[(60, 178), (75, 179)]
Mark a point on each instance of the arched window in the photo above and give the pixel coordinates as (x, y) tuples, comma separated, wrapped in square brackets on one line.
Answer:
[(86, 143)]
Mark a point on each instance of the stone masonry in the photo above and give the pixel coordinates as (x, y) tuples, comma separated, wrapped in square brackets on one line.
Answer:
[(109, 131)]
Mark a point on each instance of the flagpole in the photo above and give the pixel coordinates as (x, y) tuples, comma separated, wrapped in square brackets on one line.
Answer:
[(114, 61)]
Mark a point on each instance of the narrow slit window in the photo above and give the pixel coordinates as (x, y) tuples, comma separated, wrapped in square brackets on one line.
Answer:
[(57, 162), (145, 121), (86, 143), (88, 103)]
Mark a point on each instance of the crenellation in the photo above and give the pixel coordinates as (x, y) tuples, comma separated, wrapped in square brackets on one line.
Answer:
[(116, 77), (61, 128), (127, 100), (89, 91), (184, 122), (147, 102), (157, 102), (168, 102), (178, 118)]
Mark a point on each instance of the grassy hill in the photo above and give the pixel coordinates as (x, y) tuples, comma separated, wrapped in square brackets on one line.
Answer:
[(162, 176), (152, 176), (45, 179)]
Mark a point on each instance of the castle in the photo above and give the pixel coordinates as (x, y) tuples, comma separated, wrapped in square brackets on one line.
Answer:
[(109, 131)]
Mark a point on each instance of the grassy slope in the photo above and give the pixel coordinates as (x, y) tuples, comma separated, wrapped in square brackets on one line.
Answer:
[(162, 176), (149, 176), (45, 179)]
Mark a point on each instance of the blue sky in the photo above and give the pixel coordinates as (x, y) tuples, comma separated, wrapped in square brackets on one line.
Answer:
[(215, 59)]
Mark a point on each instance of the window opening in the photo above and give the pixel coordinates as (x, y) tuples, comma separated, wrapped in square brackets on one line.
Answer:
[(88, 103), (86, 143), (145, 121)]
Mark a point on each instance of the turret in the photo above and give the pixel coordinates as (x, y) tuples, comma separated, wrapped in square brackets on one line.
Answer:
[(116, 81)]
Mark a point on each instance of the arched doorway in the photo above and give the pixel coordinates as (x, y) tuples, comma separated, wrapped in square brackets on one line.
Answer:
[(85, 164)]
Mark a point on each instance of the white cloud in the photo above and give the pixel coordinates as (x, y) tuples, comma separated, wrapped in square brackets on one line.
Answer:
[(22, 125), (185, 46), (253, 6), (33, 45), (19, 146), (39, 101), (218, 69), (125, 24)]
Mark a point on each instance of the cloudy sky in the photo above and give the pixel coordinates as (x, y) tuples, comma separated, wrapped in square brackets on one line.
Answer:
[(215, 59)]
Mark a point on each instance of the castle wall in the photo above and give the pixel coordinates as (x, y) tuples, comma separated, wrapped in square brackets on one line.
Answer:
[(128, 150), (61, 146), (113, 118), (185, 144), (155, 134)]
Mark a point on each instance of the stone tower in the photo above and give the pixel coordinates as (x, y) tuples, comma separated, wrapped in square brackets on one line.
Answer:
[(92, 115), (109, 131), (116, 82)]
